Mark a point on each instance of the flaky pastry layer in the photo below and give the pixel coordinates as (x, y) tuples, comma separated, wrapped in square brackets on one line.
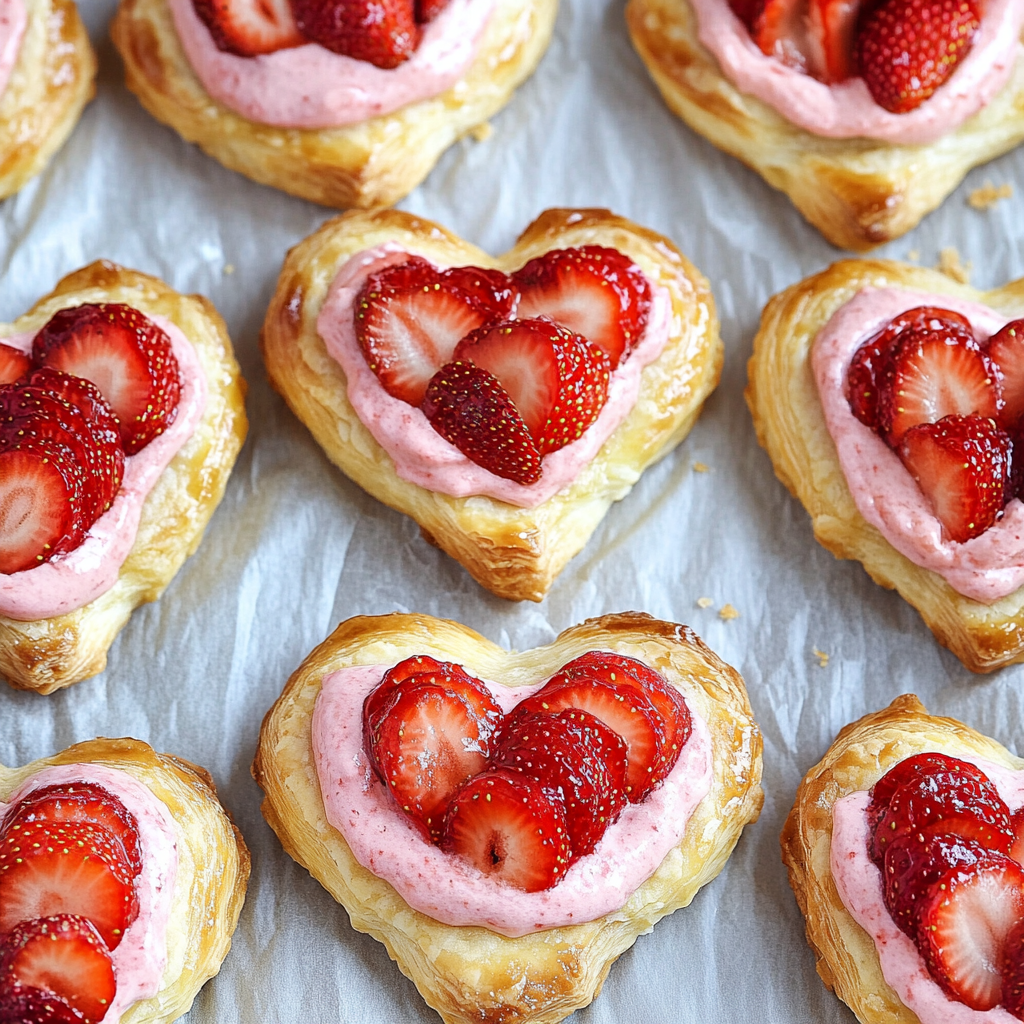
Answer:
[(861, 754), (790, 425), (471, 975), (47, 654), (374, 163), (858, 193), (52, 80), (213, 865), (513, 552)]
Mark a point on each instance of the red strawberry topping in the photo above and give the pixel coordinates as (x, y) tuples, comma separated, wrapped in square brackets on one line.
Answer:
[(469, 408), (591, 290), (14, 364), (1012, 970), (20, 1005), (1017, 846), (250, 27), (428, 10), (383, 32), (126, 356), (911, 769), (906, 49), (62, 955), (557, 380), (781, 31), (1006, 350), (410, 316), (510, 827), (832, 26), (747, 11)]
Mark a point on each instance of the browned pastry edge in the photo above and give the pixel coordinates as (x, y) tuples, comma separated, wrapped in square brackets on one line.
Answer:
[(513, 552), (52, 80), (783, 400), (861, 754), (373, 163), (471, 975), (213, 865), (858, 193), (47, 654)]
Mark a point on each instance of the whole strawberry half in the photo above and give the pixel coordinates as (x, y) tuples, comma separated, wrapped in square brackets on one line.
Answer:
[(906, 49), (557, 380), (14, 364), (383, 32), (127, 357), (1006, 351), (250, 27)]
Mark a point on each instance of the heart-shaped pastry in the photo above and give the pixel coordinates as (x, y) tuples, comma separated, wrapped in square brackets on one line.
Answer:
[(44, 88), (853, 910), (180, 440), (529, 960), (513, 539), (155, 831), (889, 500)]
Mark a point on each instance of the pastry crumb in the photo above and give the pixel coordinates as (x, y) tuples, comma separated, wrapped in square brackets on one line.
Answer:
[(727, 612), (701, 467), (950, 265), (704, 602), (821, 656), (229, 269), (988, 195), (914, 255), (482, 132)]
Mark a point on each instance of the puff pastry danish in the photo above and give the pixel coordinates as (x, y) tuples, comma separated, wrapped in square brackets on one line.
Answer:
[(50, 83), (45, 654), (515, 552), (472, 973)]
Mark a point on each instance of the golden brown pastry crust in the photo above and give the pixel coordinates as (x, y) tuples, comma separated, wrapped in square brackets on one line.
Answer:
[(213, 865), (52, 80), (47, 654), (858, 193), (790, 425), (861, 754), (373, 163), (472, 975), (513, 552)]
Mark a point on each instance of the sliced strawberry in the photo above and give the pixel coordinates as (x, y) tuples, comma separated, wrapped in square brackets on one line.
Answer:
[(510, 827), (912, 768), (557, 380), (906, 49), (14, 364), (386, 690), (965, 920), (77, 801), (42, 500), (66, 868), (64, 955), (410, 316), (383, 32), (428, 10), (781, 31), (591, 290), (1011, 967), (21, 1005), (126, 356), (1006, 350), (1017, 846), (250, 27), (832, 24), (962, 465), (579, 757), (469, 408)]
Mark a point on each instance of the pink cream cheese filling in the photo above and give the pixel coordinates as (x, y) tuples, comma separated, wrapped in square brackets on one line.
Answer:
[(859, 884), (984, 568), (447, 888), (13, 21), (312, 87), (846, 110), (73, 579), (141, 955), (421, 456)]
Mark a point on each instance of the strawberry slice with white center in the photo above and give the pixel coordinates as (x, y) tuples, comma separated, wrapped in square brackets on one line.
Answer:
[(832, 27), (964, 923), (1006, 350), (557, 380), (962, 465), (510, 827), (591, 290), (127, 357), (22, 1005), (63, 955), (409, 318), (250, 27), (14, 364)]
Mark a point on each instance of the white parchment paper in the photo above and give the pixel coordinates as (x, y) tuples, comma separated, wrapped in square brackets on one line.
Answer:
[(295, 547)]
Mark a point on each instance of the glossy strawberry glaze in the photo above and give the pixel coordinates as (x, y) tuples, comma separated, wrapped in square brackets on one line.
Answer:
[(419, 453), (847, 110), (447, 888), (72, 580), (311, 87), (141, 956), (985, 568), (859, 884), (13, 19)]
